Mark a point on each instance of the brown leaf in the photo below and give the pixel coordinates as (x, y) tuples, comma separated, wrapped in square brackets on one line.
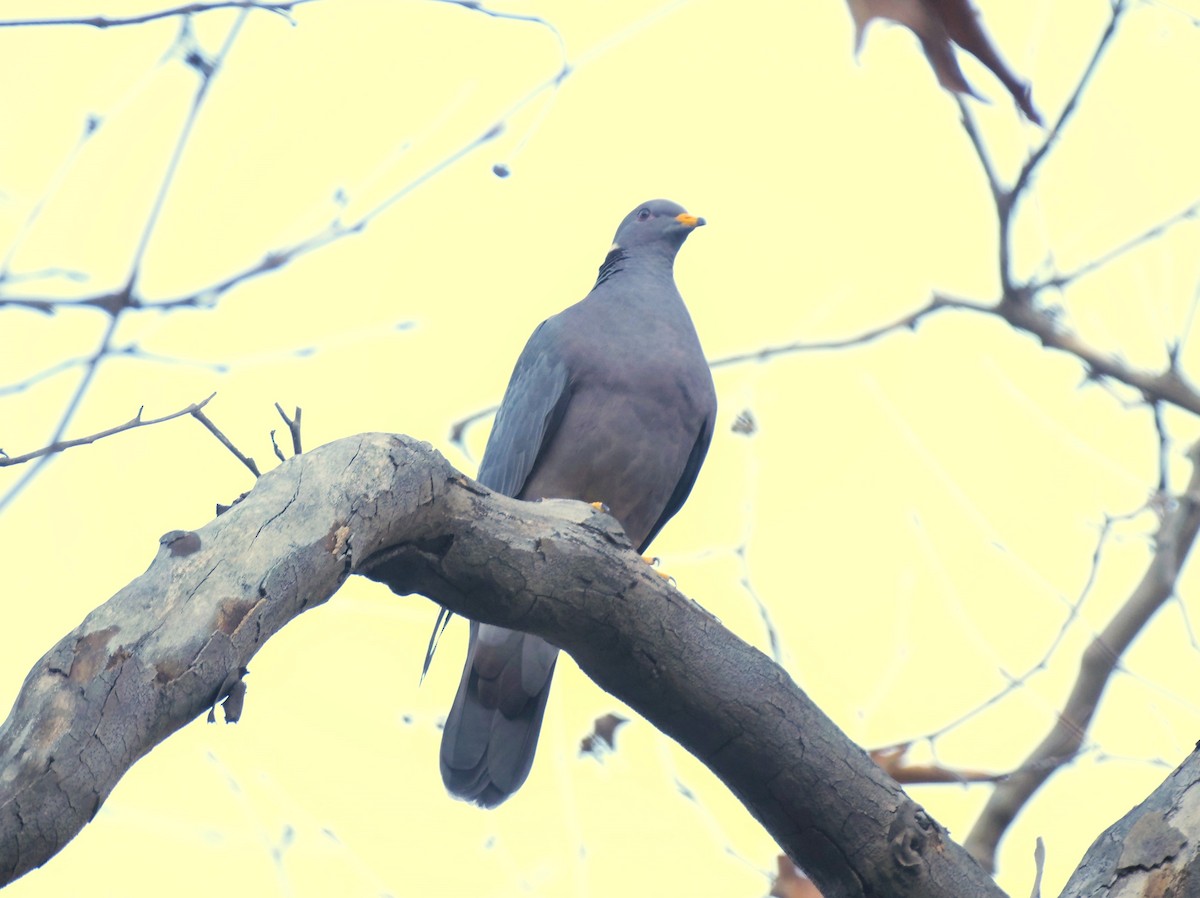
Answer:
[(939, 25), (791, 883), (603, 736), (744, 423), (891, 761)]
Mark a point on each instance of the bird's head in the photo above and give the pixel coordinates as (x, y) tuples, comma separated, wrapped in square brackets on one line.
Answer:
[(656, 226)]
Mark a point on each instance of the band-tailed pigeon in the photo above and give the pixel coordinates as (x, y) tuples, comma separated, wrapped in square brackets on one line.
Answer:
[(611, 401)]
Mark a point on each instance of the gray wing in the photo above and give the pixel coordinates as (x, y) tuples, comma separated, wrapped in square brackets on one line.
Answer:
[(491, 733), (530, 413)]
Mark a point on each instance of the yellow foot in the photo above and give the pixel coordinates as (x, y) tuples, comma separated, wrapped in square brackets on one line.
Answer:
[(599, 506), (652, 560)]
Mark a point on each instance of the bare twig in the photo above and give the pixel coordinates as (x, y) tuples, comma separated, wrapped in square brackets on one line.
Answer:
[(1006, 200), (1168, 385), (207, 69), (1039, 867), (132, 424), (42, 274), (293, 426), (1099, 661), (91, 126), (89, 372), (186, 9), (21, 386), (1164, 450), (225, 441), (1032, 163), (336, 230), (1062, 280), (999, 193), (907, 322), (1073, 609)]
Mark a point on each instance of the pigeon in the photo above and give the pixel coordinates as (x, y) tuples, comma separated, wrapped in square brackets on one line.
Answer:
[(611, 402)]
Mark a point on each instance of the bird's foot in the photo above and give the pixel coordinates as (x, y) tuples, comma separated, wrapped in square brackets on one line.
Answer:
[(653, 561)]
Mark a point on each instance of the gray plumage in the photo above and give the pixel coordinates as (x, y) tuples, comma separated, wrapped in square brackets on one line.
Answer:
[(611, 401)]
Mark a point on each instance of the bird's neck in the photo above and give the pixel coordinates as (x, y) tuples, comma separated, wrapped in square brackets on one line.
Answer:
[(619, 260)]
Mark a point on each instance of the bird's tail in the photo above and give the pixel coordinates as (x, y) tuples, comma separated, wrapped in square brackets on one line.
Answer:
[(492, 731)]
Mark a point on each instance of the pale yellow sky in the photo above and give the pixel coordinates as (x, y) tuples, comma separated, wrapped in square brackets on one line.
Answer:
[(916, 514)]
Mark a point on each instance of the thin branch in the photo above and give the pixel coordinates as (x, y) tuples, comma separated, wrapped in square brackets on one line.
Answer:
[(1167, 386), (186, 9), (225, 441), (20, 386), (133, 423), (91, 126), (907, 322), (1164, 450), (1062, 280), (293, 426), (1100, 660), (1073, 610), (208, 70), (89, 373), (42, 274), (336, 230), (999, 193), (1032, 163)]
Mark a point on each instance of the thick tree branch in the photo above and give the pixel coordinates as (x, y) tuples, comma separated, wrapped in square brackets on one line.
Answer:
[(176, 640), (1062, 743), (1152, 850)]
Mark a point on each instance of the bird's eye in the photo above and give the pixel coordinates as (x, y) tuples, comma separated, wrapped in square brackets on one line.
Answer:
[(643, 214)]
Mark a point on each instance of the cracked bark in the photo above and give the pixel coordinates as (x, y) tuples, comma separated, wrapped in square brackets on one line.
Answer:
[(1151, 851), (177, 639)]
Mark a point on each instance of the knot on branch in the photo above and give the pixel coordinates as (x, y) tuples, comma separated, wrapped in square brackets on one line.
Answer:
[(912, 835)]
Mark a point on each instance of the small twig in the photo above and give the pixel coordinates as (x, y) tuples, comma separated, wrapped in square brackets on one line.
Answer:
[(999, 194), (89, 372), (224, 440), (907, 322), (91, 126), (458, 429), (293, 425), (1031, 164), (1062, 280), (186, 9), (133, 423), (336, 230), (21, 386), (1039, 864), (1164, 450), (207, 71), (42, 274), (1166, 386), (1073, 611)]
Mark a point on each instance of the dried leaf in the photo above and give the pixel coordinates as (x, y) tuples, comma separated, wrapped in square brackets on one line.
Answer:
[(791, 883), (603, 737), (891, 761), (939, 25), (744, 423)]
